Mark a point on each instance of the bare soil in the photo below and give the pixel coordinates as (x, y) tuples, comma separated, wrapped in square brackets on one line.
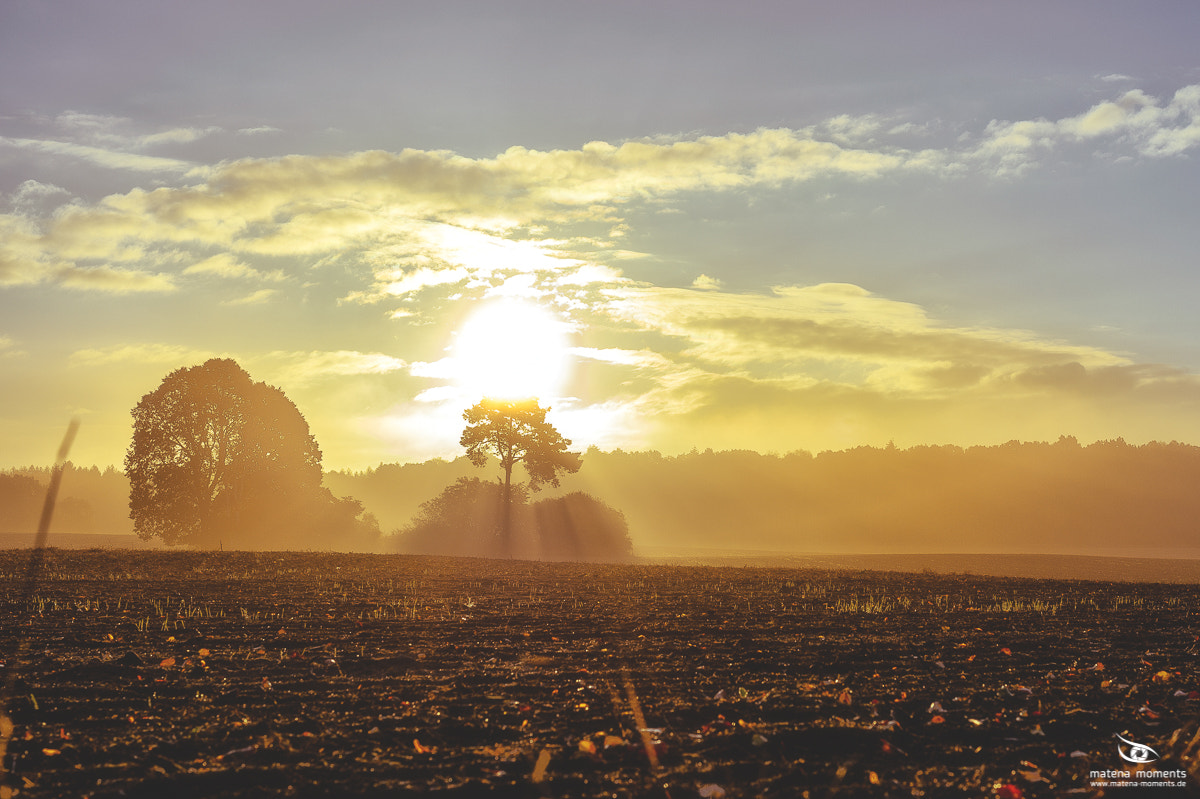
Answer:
[(202, 674)]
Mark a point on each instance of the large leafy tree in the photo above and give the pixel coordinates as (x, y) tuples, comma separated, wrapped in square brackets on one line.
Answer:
[(219, 458), (516, 431)]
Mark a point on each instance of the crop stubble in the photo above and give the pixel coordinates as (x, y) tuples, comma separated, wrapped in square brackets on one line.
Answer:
[(201, 674)]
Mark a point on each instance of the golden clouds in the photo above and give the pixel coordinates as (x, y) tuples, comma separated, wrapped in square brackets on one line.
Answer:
[(112, 279), (293, 368), (257, 297), (804, 330), (614, 355), (21, 257), (378, 256), (400, 283), (413, 212), (602, 173), (833, 365), (227, 265), (422, 209), (156, 354), (433, 209), (486, 254)]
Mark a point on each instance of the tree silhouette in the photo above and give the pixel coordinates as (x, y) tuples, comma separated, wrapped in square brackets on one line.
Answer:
[(461, 520), (215, 454), (580, 527), (517, 432)]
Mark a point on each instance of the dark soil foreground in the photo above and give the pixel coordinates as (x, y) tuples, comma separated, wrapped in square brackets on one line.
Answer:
[(182, 674)]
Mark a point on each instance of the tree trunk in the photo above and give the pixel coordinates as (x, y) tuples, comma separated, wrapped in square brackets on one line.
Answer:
[(506, 519)]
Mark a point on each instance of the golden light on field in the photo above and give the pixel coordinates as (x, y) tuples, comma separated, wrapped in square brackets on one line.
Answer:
[(511, 350)]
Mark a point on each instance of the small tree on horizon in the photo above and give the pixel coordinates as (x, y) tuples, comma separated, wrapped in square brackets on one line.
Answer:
[(516, 431)]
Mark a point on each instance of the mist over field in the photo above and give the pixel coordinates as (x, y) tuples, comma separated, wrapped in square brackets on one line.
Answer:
[(1107, 498)]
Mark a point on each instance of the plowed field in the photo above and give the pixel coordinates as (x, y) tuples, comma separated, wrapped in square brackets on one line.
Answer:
[(185, 674)]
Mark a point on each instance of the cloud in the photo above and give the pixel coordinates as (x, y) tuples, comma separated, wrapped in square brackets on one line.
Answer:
[(1135, 119), (25, 260), (1133, 111), (110, 142), (306, 367), (602, 173), (114, 131), (739, 411), (911, 129), (367, 193), (297, 371), (419, 429), (400, 283), (113, 280), (9, 349), (589, 274), (138, 354), (110, 159), (437, 255), (35, 198), (22, 259), (418, 220), (848, 129), (408, 214), (643, 359), (522, 285), (284, 366), (609, 424), (798, 337), (258, 131), (833, 365), (253, 298), (441, 369), (227, 265), (487, 254), (442, 394), (1174, 140)]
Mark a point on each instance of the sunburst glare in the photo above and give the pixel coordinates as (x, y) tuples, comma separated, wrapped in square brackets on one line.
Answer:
[(512, 349)]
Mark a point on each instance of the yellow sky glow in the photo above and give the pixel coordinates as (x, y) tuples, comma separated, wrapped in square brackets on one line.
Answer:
[(384, 292), (508, 349)]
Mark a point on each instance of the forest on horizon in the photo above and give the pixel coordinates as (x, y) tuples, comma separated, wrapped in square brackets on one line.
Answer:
[(1109, 497)]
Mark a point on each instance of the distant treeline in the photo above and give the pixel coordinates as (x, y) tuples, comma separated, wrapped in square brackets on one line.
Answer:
[(1109, 497), (91, 500)]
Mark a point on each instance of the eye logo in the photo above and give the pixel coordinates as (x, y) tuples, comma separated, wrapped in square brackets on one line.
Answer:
[(1138, 753)]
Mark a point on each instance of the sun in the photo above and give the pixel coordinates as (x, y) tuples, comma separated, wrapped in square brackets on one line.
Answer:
[(512, 350)]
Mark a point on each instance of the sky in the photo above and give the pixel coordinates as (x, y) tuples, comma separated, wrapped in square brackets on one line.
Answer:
[(773, 226)]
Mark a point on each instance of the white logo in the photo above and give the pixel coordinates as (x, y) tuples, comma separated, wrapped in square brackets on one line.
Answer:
[(1138, 753)]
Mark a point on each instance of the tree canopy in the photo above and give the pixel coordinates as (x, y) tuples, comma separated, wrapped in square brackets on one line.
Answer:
[(217, 458), (516, 431)]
